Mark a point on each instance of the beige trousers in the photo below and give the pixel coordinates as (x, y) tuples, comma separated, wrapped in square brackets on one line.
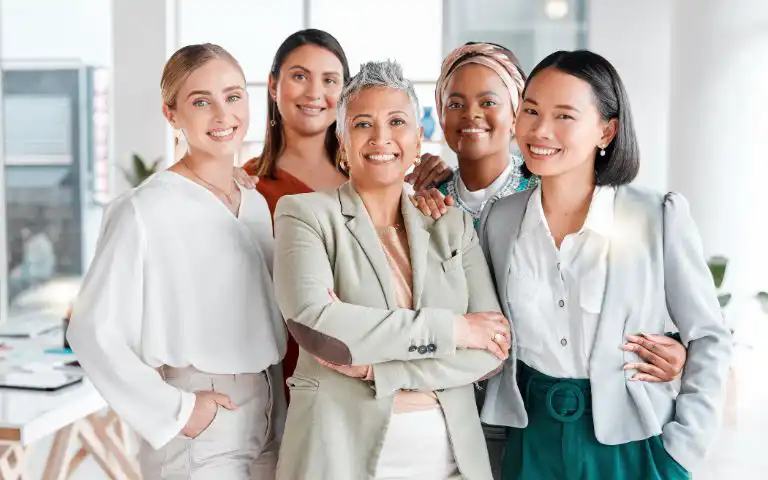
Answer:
[(238, 445)]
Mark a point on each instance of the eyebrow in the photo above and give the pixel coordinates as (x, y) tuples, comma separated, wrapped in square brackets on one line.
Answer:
[(206, 92), (561, 106), (305, 69), (481, 94), (368, 115)]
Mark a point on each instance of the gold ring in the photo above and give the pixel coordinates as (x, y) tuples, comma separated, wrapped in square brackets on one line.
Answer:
[(498, 337)]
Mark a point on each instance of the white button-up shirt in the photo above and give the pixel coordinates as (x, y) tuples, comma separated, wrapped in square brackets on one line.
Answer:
[(556, 296)]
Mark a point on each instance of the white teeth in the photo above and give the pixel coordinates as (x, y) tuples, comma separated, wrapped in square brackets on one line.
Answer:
[(473, 130), (543, 151), (311, 109), (222, 133), (381, 157)]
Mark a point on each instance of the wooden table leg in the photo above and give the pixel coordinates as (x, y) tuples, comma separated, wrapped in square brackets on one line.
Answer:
[(99, 438), (13, 461)]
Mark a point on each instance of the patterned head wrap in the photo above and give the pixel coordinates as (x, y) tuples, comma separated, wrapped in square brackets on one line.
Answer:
[(492, 56)]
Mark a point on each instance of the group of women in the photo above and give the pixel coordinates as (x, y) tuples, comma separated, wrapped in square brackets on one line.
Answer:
[(528, 288)]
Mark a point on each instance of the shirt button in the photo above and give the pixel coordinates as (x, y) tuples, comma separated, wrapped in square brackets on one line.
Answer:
[(563, 342), (431, 348), (412, 348), (422, 349), (561, 303)]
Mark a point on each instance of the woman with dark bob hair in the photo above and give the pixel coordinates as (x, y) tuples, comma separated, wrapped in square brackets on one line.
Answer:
[(582, 262)]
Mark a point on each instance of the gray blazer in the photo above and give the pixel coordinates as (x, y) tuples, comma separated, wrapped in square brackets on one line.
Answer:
[(656, 270), (326, 242)]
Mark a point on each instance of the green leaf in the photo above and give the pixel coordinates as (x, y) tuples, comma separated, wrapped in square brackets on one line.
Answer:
[(762, 297), (724, 298), (717, 267)]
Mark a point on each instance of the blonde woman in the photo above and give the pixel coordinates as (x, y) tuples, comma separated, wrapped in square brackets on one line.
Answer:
[(176, 323)]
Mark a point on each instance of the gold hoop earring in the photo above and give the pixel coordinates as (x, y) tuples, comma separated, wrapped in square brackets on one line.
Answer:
[(418, 160)]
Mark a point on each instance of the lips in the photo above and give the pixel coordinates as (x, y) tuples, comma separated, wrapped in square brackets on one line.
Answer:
[(222, 134), (311, 110), (474, 132), (543, 151), (381, 158)]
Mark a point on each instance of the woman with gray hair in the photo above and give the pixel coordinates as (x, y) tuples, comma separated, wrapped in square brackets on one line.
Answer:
[(395, 312)]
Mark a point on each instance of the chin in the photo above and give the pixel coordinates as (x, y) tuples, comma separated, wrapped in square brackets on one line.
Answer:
[(312, 126)]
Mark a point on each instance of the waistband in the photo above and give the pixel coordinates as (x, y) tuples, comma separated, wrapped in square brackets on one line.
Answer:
[(564, 399), (166, 371)]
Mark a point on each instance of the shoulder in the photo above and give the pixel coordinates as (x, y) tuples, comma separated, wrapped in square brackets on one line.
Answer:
[(304, 205)]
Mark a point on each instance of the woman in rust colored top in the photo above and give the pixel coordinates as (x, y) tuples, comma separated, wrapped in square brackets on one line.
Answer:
[(300, 146)]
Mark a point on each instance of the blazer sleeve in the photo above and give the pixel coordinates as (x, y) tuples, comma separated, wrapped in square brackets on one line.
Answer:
[(693, 307), (105, 333), (338, 332), (468, 365)]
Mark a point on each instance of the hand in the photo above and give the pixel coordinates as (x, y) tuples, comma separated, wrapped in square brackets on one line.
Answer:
[(430, 172), (206, 405), (665, 357), (243, 179), (361, 371), (484, 331), (431, 202)]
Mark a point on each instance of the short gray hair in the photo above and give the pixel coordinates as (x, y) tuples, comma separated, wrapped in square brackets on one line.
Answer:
[(386, 74)]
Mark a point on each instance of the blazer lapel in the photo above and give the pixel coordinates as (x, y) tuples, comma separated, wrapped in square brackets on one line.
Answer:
[(361, 227), (418, 244)]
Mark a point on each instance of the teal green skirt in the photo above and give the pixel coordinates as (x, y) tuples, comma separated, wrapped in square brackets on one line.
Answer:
[(559, 442)]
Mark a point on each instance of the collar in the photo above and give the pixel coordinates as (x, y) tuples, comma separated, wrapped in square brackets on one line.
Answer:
[(599, 217)]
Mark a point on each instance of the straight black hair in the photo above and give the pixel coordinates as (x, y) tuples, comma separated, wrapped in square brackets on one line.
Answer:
[(274, 144), (621, 162)]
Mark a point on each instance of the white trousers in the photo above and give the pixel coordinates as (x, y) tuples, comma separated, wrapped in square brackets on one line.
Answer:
[(238, 445), (417, 446)]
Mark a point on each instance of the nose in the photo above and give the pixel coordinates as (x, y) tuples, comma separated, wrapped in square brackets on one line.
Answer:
[(541, 128), (472, 111), (219, 112), (314, 89), (380, 134)]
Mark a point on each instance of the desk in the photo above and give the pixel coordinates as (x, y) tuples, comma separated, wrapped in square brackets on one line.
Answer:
[(77, 415)]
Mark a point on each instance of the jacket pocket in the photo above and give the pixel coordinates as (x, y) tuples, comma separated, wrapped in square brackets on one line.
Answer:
[(298, 382), (452, 263)]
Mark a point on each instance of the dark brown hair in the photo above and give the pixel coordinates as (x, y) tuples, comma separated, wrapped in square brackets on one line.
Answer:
[(274, 143)]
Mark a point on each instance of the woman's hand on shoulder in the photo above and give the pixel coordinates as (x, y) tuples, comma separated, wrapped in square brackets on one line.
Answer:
[(243, 179), (431, 202), (430, 172)]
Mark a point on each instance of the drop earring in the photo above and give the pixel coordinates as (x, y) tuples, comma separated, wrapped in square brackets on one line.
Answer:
[(602, 151), (273, 112)]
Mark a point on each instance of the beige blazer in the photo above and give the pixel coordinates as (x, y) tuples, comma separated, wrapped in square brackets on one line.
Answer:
[(326, 243)]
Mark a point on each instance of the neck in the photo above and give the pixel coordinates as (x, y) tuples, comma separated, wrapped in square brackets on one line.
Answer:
[(303, 152), (480, 173), (567, 193), (218, 171), (383, 204)]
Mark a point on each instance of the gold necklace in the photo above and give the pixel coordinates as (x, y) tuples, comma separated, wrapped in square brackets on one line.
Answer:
[(208, 185)]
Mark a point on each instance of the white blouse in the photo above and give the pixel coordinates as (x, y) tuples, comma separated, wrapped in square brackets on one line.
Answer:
[(177, 280), (556, 296)]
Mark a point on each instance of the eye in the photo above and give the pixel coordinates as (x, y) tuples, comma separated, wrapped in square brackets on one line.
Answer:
[(530, 111), (233, 98), (299, 76), (488, 104), (362, 124), (564, 116), (330, 81), (454, 105), (200, 102), (396, 122)]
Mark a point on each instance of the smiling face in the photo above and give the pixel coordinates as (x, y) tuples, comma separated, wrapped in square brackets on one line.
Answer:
[(477, 115), (382, 137), (559, 128), (212, 109), (308, 88)]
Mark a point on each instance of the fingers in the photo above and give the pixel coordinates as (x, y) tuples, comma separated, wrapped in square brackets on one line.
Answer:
[(496, 350), (421, 204), (650, 370), (243, 179), (449, 200), (648, 345), (644, 377), (648, 356), (436, 175), (224, 400), (422, 171)]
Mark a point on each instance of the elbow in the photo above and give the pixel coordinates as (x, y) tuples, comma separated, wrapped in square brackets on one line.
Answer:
[(319, 344)]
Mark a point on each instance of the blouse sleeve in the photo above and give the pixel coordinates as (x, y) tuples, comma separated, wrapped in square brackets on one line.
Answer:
[(105, 332)]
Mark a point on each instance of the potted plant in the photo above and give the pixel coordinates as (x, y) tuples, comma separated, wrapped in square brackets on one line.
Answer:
[(717, 267), (140, 170)]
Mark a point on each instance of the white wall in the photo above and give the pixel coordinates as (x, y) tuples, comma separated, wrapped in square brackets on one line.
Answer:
[(635, 37), (57, 30)]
